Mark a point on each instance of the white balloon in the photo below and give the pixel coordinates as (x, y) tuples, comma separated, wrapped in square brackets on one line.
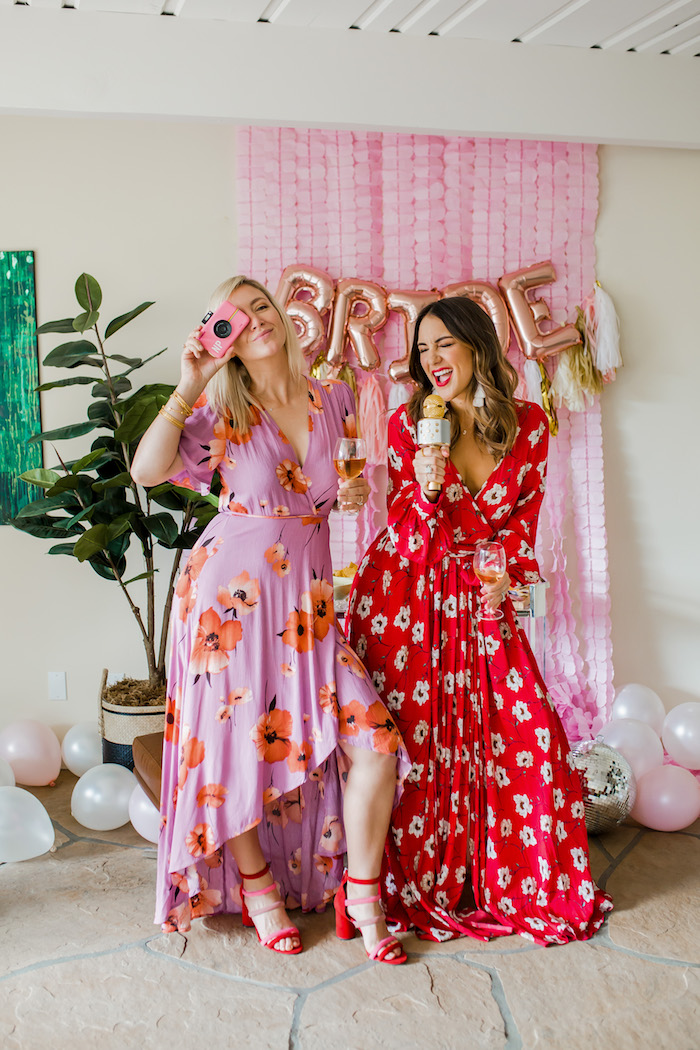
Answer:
[(681, 734), (640, 702), (637, 742), (26, 830), (144, 815), (7, 776), (100, 799), (82, 748)]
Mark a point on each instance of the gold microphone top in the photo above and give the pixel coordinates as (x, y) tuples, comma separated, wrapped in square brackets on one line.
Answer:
[(434, 407)]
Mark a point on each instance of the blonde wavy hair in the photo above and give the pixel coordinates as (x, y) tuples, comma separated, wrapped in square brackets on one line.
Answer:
[(229, 391)]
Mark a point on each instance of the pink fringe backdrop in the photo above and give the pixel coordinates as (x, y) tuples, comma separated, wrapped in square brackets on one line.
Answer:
[(420, 212)]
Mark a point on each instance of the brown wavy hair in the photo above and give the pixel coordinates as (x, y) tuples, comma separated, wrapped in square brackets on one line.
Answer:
[(496, 423)]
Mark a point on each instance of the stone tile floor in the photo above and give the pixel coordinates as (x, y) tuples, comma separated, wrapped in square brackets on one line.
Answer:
[(82, 965)]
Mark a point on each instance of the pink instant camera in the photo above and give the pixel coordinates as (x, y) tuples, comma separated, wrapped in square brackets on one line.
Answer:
[(221, 328)]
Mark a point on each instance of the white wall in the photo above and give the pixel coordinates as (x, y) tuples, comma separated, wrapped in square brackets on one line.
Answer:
[(130, 202)]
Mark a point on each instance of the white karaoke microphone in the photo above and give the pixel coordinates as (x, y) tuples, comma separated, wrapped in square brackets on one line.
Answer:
[(433, 428)]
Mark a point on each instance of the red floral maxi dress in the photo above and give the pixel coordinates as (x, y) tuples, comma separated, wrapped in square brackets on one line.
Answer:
[(492, 800), (262, 686)]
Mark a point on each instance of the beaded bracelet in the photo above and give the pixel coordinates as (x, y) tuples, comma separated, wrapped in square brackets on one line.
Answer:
[(171, 418), (187, 409)]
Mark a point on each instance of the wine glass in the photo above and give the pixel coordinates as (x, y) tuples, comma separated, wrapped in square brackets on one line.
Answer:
[(489, 566), (349, 458)]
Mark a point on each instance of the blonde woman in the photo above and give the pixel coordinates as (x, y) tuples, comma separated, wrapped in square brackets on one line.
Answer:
[(268, 707)]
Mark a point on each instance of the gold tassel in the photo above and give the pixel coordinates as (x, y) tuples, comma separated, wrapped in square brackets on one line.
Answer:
[(547, 402)]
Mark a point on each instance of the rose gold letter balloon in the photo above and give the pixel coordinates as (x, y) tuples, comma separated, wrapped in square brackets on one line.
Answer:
[(491, 301), (526, 315), (306, 313), (409, 305), (359, 329)]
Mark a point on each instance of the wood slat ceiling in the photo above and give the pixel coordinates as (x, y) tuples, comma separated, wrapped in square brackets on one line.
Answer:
[(670, 28)]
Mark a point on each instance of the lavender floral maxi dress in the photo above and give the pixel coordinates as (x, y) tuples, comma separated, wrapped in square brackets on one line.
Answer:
[(262, 686)]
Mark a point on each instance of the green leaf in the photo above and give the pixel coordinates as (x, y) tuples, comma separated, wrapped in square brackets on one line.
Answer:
[(163, 527), (61, 548), (63, 326), (102, 413), (123, 480), (86, 461), (88, 292), (76, 518), (62, 433), (72, 483), (102, 567), (39, 529), (73, 381), (123, 319), (145, 361), (134, 361), (68, 355), (86, 320), (137, 420), (45, 479), (120, 385), (142, 576), (42, 506), (97, 539)]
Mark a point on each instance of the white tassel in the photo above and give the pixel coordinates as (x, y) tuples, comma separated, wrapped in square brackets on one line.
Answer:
[(603, 332), (564, 389), (399, 394), (533, 381)]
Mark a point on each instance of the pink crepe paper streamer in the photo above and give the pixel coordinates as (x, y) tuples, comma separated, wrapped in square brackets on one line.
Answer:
[(373, 421)]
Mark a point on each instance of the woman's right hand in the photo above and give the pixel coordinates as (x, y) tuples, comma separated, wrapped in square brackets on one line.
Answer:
[(429, 464), (197, 366)]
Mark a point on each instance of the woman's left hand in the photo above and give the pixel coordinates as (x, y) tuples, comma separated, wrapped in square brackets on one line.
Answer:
[(353, 494), (492, 594)]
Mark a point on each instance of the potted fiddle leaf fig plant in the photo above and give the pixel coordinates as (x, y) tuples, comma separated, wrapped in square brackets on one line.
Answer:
[(96, 512)]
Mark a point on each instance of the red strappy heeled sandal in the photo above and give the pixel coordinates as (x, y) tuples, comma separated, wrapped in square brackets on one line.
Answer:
[(346, 927), (248, 920)]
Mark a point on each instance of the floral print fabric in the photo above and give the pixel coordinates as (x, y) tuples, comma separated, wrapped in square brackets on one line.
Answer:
[(262, 686), (492, 804)]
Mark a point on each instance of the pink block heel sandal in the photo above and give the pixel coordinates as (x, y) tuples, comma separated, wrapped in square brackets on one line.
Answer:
[(249, 919), (346, 927)]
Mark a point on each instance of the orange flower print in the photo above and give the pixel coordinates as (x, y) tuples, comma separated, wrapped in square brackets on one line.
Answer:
[(185, 483), (281, 511), (353, 718), (350, 426), (287, 670), (298, 758), (331, 835), (186, 589), (328, 698), (201, 401), (311, 519), (191, 754), (237, 508), (298, 632), (215, 859), (213, 795), (323, 864), (275, 553), (179, 881), (347, 658), (290, 476), (318, 603), (294, 862), (242, 595), (223, 433), (213, 643), (224, 713), (200, 841), (205, 903), (293, 803), (275, 813), (241, 695), (172, 717), (386, 737), (315, 402), (178, 918), (270, 794), (281, 567), (271, 733)]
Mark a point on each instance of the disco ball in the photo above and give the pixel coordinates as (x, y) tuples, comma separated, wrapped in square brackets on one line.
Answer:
[(608, 784)]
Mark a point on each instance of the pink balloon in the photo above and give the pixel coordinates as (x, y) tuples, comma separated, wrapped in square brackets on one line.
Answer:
[(668, 799), (33, 751), (681, 734), (637, 742), (640, 702)]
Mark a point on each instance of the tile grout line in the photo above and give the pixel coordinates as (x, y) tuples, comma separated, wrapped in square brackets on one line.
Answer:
[(514, 1040), (602, 879), (662, 960)]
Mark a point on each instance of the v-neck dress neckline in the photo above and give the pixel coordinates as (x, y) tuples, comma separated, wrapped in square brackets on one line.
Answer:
[(271, 420)]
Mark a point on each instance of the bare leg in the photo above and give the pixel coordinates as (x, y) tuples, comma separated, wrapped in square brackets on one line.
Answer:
[(249, 857), (369, 796)]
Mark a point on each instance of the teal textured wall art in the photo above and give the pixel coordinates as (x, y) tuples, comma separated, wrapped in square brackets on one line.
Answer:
[(19, 377)]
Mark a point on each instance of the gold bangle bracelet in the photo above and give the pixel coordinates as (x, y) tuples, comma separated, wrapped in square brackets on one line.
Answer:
[(187, 409), (170, 418)]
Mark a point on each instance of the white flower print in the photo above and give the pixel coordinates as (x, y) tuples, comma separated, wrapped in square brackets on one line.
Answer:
[(404, 563), (545, 870), (420, 587), (429, 846), (490, 849), (402, 618), (498, 701), (395, 699), (416, 826), (499, 512), (386, 581), (506, 828), (523, 806), (522, 472), (563, 882), (442, 874), (442, 899), (546, 823), (492, 645), (427, 882), (434, 656), (528, 886), (390, 884), (524, 759), (414, 777), (514, 680), (398, 835), (361, 646), (421, 731), (494, 494), (543, 738), (401, 658), (527, 836), (506, 906), (421, 693), (497, 745), (408, 895), (379, 624), (577, 810), (536, 924), (454, 801), (504, 878), (502, 778), (443, 828), (449, 607), (546, 771), (525, 550), (364, 607), (417, 632), (489, 767), (535, 436), (560, 831), (585, 890), (448, 683), (521, 711), (394, 458), (506, 633), (460, 679), (558, 796), (415, 542), (542, 901), (480, 647), (453, 492), (490, 817)]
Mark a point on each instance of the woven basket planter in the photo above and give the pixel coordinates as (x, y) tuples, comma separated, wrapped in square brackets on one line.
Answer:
[(119, 727)]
